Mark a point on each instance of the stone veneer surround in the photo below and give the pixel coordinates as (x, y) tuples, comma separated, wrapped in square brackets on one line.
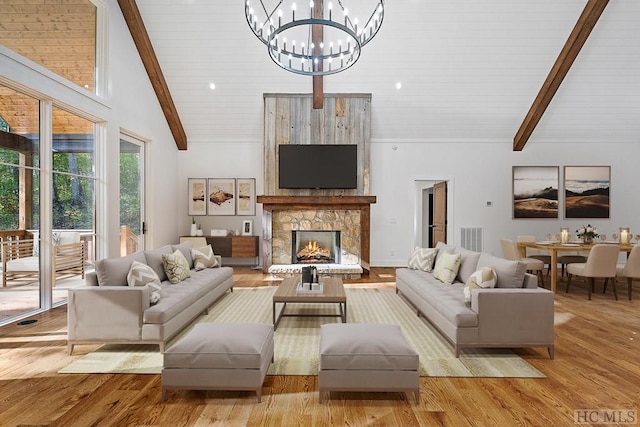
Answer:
[(347, 222), (350, 214)]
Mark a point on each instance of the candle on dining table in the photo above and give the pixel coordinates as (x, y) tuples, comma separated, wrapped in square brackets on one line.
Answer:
[(624, 236)]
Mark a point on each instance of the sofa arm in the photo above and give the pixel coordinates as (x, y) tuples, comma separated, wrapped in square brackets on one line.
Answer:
[(519, 317), (106, 313)]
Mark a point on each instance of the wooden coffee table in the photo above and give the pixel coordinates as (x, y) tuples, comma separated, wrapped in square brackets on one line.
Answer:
[(333, 294)]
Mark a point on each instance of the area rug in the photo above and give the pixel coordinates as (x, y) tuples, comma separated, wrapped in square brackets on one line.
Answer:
[(297, 338)]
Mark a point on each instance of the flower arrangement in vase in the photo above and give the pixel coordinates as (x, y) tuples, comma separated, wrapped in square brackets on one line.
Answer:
[(588, 233)]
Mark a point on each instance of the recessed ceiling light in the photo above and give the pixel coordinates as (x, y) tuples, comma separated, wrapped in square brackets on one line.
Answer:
[(399, 85), (212, 86)]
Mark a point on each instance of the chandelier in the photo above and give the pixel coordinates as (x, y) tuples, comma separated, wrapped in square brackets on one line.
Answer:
[(315, 41)]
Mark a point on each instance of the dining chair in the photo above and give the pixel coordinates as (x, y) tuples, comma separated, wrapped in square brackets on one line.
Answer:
[(535, 253), (601, 264), (564, 260), (510, 251), (631, 269)]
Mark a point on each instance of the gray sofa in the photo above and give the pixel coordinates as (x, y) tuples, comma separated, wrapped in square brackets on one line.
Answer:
[(516, 313), (107, 310)]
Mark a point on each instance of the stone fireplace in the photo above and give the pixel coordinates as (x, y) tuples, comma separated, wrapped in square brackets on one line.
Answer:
[(315, 247), (348, 215)]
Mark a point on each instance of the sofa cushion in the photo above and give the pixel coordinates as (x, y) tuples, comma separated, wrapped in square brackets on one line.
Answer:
[(176, 266), (154, 260), (422, 259), (203, 258), (468, 263), (431, 295), (446, 268), (443, 248), (510, 273), (113, 271), (185, 248), (486, 277), (222, 346), (180, 297), (361, 346)]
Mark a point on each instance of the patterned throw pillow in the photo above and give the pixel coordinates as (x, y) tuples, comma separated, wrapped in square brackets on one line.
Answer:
[(203, 258), (141, 274), (447, 267), (176, 266), (422, 259), (484, 278)]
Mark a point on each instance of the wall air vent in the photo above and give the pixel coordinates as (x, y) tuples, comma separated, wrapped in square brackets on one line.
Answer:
[(471, 238)]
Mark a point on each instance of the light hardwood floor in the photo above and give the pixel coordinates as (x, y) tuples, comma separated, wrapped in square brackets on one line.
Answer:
[(596, 367)]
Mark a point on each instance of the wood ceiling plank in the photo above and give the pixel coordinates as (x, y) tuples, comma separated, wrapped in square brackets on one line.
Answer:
[(145, 49), (579, 35)]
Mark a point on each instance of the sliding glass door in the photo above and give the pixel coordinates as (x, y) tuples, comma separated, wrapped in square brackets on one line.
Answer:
[(19, 203)]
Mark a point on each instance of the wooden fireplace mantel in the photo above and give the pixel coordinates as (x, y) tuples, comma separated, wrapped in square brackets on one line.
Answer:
[(361, 203), (272, 203)]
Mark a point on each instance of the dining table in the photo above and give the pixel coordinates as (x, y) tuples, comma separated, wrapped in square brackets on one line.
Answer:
[(555, 247)]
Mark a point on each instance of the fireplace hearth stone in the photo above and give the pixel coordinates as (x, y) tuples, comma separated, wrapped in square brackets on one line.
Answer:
[(346, 271)]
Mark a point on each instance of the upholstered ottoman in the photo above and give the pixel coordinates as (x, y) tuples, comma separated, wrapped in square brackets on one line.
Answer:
[(366, 357), (219, 356)]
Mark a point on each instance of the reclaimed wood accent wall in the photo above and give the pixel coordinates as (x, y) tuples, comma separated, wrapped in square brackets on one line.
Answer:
[(291, 119)]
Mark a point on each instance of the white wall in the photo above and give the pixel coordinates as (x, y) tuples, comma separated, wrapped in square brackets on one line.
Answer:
[(136, 109), (477, 173), (220, 160)]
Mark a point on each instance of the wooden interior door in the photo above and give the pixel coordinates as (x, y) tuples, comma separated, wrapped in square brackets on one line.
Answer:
[(439, 213)]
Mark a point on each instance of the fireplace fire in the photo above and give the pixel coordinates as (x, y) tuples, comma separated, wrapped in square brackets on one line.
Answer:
[(312, 252), (315, 247)]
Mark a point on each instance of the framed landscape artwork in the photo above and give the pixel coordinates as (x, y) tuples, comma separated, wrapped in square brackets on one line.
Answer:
[(197, 190), (221, 200), (246, 202), (535, 191), (586, 191)]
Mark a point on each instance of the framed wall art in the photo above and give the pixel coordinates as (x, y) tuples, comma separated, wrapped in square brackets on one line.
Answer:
[(197, 191), (246, 202), (586, 191), (221, 196), (247, 227), (535, 191)]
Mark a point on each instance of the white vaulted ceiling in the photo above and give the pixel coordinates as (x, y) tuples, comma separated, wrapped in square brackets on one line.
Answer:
[(469, 69)]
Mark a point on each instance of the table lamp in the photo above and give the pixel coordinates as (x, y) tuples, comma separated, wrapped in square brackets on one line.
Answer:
[(564, 235)]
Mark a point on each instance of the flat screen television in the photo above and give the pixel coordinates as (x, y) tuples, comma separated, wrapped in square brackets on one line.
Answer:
[(319, 166)]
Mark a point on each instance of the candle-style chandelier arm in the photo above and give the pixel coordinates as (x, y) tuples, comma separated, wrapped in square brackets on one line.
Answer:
[(323, 58)]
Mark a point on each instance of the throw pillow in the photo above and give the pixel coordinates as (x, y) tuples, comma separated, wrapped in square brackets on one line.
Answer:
[(203, 258), (422, 259), (176, 266), (140, 274), (484, 278), (447, 266)]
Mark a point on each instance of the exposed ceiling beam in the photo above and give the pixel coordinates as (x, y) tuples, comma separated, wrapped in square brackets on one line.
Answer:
[(588, 19), (145, 49)]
